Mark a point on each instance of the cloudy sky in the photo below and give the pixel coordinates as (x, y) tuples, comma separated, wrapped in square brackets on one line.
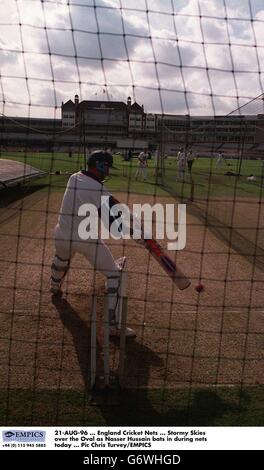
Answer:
[(173, 56)]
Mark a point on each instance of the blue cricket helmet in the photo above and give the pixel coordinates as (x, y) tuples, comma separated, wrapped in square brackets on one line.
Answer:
[(101, 160)]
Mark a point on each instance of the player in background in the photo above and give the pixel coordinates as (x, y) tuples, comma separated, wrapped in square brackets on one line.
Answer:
[(220, 160), (179, 154), (142, 165), (182, 159), (129, 155), (86, 186), (190, 159)]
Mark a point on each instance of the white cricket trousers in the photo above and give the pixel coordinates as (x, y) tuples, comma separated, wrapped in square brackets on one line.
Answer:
[(99, 256), (142, 171)]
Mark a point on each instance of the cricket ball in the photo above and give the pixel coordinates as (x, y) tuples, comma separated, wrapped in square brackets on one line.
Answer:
[(199, 287)]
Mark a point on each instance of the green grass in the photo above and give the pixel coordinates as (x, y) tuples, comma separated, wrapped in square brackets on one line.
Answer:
[(61, 162), (209, 181), (49, 162), (123, 179), (181, 407)]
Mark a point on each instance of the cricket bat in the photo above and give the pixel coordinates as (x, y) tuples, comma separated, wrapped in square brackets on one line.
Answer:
[(167, 263), (162, 257)]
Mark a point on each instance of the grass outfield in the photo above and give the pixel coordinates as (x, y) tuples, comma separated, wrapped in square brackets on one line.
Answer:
[(122, 174), (209, 181)]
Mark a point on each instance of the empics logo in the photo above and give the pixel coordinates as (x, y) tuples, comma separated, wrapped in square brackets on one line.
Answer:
[(20, 435), (9, 434)]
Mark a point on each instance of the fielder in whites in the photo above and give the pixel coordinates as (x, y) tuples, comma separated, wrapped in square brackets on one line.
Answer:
[(220, 160), (142, 165)]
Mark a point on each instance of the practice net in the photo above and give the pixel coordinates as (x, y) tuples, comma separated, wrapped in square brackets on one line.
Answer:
[(155, 85)]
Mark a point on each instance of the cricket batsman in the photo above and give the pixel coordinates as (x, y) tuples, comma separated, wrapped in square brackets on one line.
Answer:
[(83, 187)]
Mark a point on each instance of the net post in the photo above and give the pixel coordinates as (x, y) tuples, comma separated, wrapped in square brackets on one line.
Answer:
[(93, 341), (122, 354)]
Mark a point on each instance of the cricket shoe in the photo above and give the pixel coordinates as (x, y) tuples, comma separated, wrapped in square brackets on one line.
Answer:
[(115, 332)]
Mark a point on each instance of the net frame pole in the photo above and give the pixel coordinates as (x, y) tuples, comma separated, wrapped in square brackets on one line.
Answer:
[(93, 340)]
